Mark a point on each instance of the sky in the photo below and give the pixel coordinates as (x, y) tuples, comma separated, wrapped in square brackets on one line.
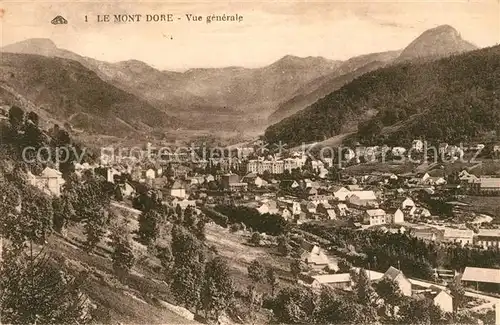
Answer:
[(268, 31)]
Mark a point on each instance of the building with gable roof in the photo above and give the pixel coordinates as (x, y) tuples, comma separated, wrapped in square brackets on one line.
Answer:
[(400, 279), (178, 190), (49, 181)]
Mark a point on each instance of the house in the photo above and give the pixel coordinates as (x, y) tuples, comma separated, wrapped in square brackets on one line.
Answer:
[(231, 182), (441, 298), (150, 173), (269, 206), (308, 207), (374, 217), (400, 279), (331, 214), (417, 145), (314, 257), (407, 202), (126, 189), (485, 186), (49, 181), (419, 213), (285, 213), (341, 194), (342, 209), (312, 191), (259, 182), (108, 173), (397, 217), (427, 234), (487, 238), (177, 190), (435, 181), (337, 281), (363, 198), (462, 236), (476, 276)]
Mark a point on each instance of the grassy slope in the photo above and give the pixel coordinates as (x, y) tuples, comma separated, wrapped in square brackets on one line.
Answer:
[(145, 282)]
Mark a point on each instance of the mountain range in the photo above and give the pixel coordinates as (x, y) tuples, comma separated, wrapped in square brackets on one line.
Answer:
[(453, 99), (139, 98)]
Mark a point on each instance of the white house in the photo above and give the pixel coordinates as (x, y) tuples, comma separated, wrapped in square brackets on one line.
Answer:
[(397, 217), (342, 209), (363, 198), (374, 217), (177, 190), (407, 203), (341, 194), (50, 181), (150, 173), (443, 300)]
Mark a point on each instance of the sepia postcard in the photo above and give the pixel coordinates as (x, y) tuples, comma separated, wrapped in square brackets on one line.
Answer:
[(250, 162)]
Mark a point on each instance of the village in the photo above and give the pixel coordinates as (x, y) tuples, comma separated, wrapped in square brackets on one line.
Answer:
[(302, 190)]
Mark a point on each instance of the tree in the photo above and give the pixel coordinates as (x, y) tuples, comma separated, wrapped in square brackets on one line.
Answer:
[(388, 290), (33, 117), (199, 230), (420, 311), (256, 238), (284, 247), (296, 268), (33, 290), (34, 222), (189, 259), (166, 258), (122, 256), (94, 228), (63, 212), (149, 226), (294, 305), (272, 279), (16, 117), (344, 265), (457, 291), (362, 288), (218, 287), (256, 272)]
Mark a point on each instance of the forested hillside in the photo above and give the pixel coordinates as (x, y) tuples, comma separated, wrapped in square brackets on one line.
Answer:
[(451, 99), (68, 91)]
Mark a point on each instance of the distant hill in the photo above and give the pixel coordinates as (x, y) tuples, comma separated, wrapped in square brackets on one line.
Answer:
[(228, 98), (434, 43), (67, 91), (437, 42), (322, 86), (451, 99)]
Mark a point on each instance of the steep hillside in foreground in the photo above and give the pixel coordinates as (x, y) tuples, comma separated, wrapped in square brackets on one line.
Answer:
[(68, 91), (451, 99)]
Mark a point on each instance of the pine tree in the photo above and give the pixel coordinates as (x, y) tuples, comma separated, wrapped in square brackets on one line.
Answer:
[(218, 288)]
